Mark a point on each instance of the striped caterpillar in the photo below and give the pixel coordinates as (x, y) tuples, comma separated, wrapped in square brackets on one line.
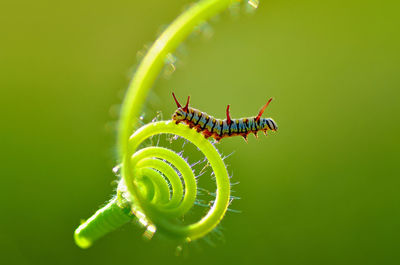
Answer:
[(217, 128)]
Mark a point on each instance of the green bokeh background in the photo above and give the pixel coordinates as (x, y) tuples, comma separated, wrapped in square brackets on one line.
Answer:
[(323, 190)]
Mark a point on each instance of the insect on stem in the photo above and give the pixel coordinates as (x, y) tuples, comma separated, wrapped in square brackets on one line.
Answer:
[(218, 129)]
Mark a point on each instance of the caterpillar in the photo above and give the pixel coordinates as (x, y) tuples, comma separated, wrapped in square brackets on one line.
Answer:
[(217, 128)]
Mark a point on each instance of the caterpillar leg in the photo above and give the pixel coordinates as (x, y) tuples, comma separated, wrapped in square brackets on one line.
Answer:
[(255, 134), (198, 128), (216, 137), (206, 133)]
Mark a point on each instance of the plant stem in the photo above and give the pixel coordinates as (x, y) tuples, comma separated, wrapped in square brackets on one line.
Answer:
[(105, 220)]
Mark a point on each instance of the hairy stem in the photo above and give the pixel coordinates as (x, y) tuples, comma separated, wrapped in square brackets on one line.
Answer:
[(102, 222), (153, 212)]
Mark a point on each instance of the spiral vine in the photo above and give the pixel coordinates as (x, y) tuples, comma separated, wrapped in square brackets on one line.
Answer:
[(155, 164), (158, 186)]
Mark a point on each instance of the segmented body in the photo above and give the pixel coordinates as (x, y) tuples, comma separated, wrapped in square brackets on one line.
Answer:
[(218, 128)]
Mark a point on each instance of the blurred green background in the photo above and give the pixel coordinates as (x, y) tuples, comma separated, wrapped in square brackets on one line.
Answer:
[(323, 190)]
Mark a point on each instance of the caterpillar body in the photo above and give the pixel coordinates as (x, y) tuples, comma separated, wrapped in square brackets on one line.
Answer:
[(217, 128)]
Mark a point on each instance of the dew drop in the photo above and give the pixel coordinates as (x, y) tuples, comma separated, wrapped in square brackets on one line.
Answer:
[(117, 170), (169, 139), (169, 70), (170, 65), (178, 250), (170, 58), (158, 117), (206, 30), (141, 53), (254, 3), (141, 119)]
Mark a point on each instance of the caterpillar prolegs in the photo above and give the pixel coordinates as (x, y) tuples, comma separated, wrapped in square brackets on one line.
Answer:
[(217, 128)]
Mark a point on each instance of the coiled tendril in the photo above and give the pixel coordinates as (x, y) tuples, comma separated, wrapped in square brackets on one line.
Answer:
[(144, 179), (144, 190)]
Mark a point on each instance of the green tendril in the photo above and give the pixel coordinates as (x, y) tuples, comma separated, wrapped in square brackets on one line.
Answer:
[(149, 158), (143, 190)]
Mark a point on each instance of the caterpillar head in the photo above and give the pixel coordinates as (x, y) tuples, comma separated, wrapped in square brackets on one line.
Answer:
[(269, 124), (181, 113)]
